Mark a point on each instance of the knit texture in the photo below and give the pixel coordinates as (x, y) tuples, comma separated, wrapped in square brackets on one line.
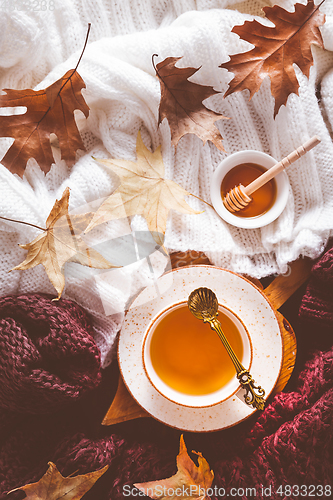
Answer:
[(317, 305), (37, 48), (48, 355), (289, 443)]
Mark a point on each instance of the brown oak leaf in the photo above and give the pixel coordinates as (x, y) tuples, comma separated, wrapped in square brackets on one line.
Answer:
[(276, 50), (143, 191), (191, 482), (53, 486), (181, 104), (61, 242), (48, 111)]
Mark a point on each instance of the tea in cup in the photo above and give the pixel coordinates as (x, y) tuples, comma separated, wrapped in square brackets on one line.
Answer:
[(185, 360)]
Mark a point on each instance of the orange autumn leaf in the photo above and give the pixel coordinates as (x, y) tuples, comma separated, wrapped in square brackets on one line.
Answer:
[(53, 486), (191, 482), (49, 111), (276, 50), (181, 104)]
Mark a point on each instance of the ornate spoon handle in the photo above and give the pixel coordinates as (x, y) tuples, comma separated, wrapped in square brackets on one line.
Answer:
[(254, 394)]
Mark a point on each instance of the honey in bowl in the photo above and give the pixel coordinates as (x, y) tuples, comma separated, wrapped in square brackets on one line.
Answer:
[(188, 355), (262, 199)]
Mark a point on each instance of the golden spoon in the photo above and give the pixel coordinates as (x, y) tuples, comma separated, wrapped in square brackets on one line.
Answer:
[(203, 304)]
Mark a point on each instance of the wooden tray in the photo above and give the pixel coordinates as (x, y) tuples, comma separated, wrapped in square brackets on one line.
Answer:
[(124, 407)]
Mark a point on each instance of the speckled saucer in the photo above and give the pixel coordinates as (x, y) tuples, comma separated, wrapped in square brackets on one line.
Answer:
[(236, 293)]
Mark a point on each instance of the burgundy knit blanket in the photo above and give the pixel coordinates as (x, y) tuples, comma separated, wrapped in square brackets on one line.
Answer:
[(53, 398)]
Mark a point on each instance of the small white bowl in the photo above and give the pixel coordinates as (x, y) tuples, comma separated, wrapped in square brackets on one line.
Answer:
[(251, 156)]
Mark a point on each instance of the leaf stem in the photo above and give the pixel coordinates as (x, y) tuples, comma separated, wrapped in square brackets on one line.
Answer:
[(85, 44), (26, 223), (153, 63), (211, 206)]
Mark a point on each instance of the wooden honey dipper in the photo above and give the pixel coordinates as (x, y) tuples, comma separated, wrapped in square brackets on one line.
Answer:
[(239, 197)]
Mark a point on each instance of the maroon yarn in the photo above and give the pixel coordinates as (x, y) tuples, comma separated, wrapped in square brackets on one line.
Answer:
[(317, 303), (291, 442), (47, 352)]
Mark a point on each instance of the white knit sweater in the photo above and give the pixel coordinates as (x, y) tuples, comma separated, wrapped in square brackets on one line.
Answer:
[(36, 48)]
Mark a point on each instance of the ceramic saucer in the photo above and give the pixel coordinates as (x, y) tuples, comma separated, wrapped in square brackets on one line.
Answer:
[(236, 293)]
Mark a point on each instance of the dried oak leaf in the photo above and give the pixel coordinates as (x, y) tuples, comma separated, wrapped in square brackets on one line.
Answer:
[(48, 111), (61, 242), (53, 486), (191, 482), (181, 104), (276, 50), (143, 191)]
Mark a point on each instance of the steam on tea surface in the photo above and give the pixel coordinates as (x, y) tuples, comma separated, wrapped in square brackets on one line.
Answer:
[(189, 357)]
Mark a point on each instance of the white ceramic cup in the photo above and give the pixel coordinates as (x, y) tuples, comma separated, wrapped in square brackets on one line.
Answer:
[(190, 400), (282, 185)]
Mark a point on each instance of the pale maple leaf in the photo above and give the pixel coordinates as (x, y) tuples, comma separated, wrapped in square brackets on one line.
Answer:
[(143, 191), (53, 486), (276, 50), (61, 242), (181, 104), (191, 482)]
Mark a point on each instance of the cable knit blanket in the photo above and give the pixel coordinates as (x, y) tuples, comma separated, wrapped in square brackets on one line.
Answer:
[(288, 445), (37, 48)]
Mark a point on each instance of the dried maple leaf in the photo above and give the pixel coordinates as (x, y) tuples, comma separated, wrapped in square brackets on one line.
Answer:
[(181, 104), (190, 481), (48, 111), (143, 191), (53, 486), (276, 50), (59, 243)]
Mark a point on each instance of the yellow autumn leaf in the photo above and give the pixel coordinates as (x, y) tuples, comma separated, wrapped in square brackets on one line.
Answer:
[(191, 482), (143, 191), (61, 242), (53, 486)]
